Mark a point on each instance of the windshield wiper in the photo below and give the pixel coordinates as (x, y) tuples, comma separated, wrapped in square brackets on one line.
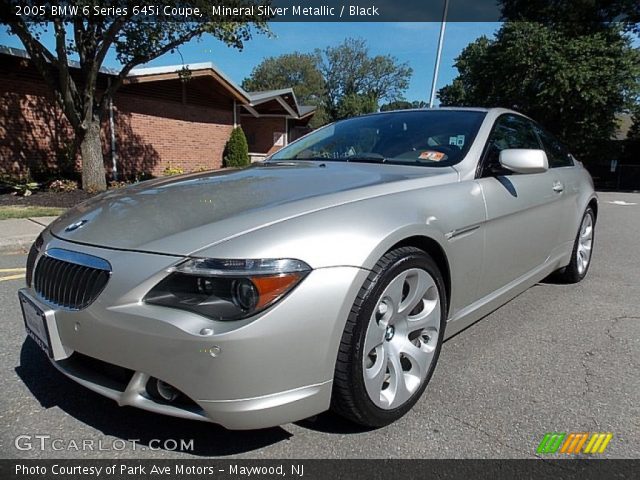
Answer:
[(359, 158), (366, 158)]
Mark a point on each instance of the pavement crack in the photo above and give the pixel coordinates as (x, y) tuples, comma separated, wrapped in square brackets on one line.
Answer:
[(37, 222), (589, 375), (614, 321), (490, 435)]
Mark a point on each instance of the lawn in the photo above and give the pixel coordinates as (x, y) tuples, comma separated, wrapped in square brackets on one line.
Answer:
[(15, 211)]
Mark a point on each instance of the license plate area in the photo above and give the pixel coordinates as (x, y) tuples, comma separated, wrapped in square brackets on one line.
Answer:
[(35, 322)]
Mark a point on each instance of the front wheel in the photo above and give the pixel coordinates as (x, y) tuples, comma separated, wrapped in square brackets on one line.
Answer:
[(392, 339)]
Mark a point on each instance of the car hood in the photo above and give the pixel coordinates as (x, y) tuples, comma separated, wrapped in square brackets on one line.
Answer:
[(181, 215)]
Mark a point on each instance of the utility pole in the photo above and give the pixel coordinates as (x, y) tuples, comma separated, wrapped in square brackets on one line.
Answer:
[(436, 68)]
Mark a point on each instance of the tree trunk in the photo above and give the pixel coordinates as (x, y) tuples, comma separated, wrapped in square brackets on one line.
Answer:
[(93, 174)]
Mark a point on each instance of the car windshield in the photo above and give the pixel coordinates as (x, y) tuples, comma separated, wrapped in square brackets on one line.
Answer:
[(416, 137)]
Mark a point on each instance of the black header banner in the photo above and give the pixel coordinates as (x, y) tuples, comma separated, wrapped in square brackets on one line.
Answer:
[(314, 10)]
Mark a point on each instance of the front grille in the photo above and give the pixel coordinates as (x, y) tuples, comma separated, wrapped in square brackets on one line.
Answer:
[(70, 280)]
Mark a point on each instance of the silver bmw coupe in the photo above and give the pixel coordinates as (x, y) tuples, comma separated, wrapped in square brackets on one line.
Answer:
[(327, 276)]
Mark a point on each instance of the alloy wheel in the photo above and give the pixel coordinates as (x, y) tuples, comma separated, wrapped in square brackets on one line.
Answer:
[(401, 338), (585, 242)]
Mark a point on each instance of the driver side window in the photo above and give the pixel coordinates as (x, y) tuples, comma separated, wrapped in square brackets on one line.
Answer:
[(509, 131)]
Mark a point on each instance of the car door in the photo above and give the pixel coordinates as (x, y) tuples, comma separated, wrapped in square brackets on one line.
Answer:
[(562, 164), (522, 222)]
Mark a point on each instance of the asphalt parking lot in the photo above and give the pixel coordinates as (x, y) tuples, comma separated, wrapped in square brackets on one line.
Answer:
[(558, 358)]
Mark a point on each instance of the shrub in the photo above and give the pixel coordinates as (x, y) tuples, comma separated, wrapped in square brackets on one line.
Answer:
[(170, 170), (236, 152), (18, 185), (63, 185), (24, 189), (115, 184)]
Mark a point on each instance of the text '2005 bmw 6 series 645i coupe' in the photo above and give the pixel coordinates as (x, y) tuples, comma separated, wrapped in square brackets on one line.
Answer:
[(327, 276)]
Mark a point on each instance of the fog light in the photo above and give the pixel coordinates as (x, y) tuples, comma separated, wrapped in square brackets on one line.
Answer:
[(162, 390)]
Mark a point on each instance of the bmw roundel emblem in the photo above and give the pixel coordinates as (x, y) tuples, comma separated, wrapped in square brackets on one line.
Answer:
[(75, 226)]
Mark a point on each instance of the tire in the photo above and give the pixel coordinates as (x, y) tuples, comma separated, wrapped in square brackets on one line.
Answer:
[(378, 335), (582, 252)]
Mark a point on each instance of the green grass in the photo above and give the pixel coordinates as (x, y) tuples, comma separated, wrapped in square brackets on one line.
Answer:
[(15, 211)]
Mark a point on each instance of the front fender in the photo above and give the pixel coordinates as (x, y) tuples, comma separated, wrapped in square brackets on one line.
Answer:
[(359, 233)]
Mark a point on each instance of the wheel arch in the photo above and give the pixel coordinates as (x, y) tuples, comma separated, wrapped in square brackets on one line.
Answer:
[(593, 203)]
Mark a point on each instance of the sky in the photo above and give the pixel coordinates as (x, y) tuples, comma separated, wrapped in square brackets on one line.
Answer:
[(413, 43)]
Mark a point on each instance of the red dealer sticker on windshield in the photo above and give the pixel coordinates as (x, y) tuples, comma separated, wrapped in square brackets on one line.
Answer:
[(432, 155)]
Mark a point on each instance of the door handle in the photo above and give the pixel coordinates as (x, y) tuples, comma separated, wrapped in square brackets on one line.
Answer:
[(558, 187)]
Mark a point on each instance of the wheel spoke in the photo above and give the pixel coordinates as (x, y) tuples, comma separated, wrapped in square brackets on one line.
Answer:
[(420, 359), (374, 336), (374, 377), (418, 283), (395, 290), (398, 391), (428, 317)]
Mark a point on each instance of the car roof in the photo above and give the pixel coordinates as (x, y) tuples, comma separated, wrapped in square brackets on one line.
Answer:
[(492, 112), (440, 109)]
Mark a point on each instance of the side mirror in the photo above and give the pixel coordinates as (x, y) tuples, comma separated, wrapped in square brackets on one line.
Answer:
[(522, 160)]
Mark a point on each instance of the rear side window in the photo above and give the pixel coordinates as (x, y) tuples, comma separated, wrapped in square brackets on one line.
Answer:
[(557, 154), (509, 131)]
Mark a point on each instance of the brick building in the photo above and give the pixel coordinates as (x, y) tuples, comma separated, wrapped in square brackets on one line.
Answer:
[(158, 119)]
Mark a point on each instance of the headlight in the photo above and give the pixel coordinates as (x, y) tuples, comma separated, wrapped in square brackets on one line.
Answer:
[(228, 289)]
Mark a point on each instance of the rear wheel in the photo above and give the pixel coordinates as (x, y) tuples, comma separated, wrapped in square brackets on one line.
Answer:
[(392, 339), (582, 250)]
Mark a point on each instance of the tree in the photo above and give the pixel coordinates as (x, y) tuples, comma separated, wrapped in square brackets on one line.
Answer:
[(403, 105), (296, 70), (634, 131), (342, 81), (356, 82), (236, 152), (135, 41), (575, 16), (571, 78)]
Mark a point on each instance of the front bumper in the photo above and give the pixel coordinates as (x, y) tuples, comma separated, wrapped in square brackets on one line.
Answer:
[(268, 370)]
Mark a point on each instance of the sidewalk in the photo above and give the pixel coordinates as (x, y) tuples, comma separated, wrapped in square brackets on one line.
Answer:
[(17, 234)]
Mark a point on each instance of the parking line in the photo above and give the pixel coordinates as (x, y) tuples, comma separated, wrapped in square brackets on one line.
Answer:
[(8, 270), (12, 277)]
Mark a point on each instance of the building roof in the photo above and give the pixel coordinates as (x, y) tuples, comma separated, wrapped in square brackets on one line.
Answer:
[(19, 53), (286, 97), (278, 102), (172, 72), (307, 110)]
